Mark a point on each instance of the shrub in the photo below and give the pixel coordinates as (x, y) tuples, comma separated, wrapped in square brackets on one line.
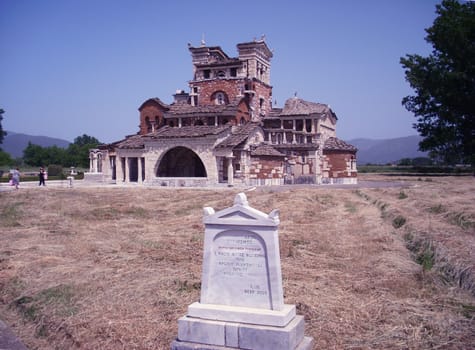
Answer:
[(402, 195), (55, 170), (399, 221)]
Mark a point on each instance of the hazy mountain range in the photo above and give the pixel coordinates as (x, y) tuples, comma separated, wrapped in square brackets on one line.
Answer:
[(369, 150), (14, 143), (387, 150)]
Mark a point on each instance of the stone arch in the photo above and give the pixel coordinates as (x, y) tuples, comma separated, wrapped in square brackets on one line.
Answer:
[(180, 162), (219, 98)]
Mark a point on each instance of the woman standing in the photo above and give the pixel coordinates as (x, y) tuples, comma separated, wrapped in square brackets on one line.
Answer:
[(16, 178), (42, 177)]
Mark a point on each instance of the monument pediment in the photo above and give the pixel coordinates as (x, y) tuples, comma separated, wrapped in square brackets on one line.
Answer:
[(240, 214)]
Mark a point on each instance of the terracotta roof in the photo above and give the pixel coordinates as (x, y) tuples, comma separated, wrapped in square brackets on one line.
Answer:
[(131, 142), (166, 132), (297, 146), (183, 109), (274, 113), (239, 135), (297, 106), (266, 150), (155, 100), (335, 144)]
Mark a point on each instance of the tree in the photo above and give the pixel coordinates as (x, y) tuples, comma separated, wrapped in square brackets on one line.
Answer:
[(86, 140), (444, 84), (34, 155), (5, 158), (78, 151), (2, 133)]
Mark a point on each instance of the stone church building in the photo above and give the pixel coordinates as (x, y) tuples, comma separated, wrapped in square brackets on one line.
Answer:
[(224, 130)]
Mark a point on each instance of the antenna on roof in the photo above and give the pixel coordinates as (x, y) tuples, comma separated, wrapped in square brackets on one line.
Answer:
[(203, 42)]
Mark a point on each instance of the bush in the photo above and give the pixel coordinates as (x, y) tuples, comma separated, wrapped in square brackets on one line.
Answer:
[(399, 221), (55, 170)]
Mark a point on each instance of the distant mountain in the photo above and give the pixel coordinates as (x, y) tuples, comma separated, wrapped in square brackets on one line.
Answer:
[(14, 143), (387, 150)]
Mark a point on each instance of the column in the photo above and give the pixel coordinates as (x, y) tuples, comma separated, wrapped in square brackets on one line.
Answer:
[(139, 170), (94, 162), (127, 177), (230, 170), (90, 162)]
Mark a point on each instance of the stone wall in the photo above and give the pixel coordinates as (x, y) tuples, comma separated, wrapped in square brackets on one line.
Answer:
[(207, 88), (266, 171), (340, 165), (155, 114)]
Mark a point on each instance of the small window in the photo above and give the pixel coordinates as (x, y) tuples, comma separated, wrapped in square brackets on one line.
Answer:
[(220, 98), (221, 74), (233, 72), (206, 73)]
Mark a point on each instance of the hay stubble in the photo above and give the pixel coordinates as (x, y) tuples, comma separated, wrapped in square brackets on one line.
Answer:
[(115, 268)]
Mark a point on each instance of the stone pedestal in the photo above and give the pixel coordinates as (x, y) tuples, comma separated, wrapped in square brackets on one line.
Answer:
[(241, 304)]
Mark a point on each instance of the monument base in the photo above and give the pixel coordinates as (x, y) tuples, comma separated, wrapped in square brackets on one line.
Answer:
[(241, 314), (306, 344), (201, 334)]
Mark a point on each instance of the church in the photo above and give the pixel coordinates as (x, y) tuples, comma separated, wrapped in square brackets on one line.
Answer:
[(225, 130)]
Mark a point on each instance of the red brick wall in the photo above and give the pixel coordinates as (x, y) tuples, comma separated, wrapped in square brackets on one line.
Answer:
[(265, 92), (338, 164), (208, 87), (150, 110), (266, 168), (232, 89)]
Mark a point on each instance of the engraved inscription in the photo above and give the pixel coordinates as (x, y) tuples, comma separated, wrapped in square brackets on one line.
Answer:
[(240, 269)]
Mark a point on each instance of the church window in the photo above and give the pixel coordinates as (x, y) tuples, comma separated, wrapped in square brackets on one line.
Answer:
[(148, 124), (233, 72), (206, 73), (221, 74), (220, 98)]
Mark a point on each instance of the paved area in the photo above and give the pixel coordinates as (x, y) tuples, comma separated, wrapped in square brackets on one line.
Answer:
[(86, 184)]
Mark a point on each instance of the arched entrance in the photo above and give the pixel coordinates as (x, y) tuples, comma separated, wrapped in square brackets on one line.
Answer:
[(181, 162)]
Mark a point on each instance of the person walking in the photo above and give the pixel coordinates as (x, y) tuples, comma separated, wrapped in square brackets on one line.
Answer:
[(16, 178), (42, 177)]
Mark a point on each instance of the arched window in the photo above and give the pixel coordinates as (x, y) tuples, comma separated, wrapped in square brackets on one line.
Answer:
[(220, 98), (148, 124)]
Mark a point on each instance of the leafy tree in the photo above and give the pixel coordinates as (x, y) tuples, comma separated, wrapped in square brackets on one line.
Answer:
[(5, 158), (2, 133), (34, 155), (86, 140), (444, 84), (78, 151)]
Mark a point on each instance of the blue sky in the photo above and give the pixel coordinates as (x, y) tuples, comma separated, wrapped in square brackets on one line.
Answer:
[(74, 67)]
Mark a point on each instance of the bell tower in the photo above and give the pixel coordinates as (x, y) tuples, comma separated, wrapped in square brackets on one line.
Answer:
[(220, 79)]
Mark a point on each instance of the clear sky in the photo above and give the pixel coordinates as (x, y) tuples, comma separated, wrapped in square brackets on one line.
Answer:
[(74, 67)]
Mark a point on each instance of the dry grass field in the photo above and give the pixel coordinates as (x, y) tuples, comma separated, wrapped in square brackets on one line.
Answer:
[(114, 268)]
